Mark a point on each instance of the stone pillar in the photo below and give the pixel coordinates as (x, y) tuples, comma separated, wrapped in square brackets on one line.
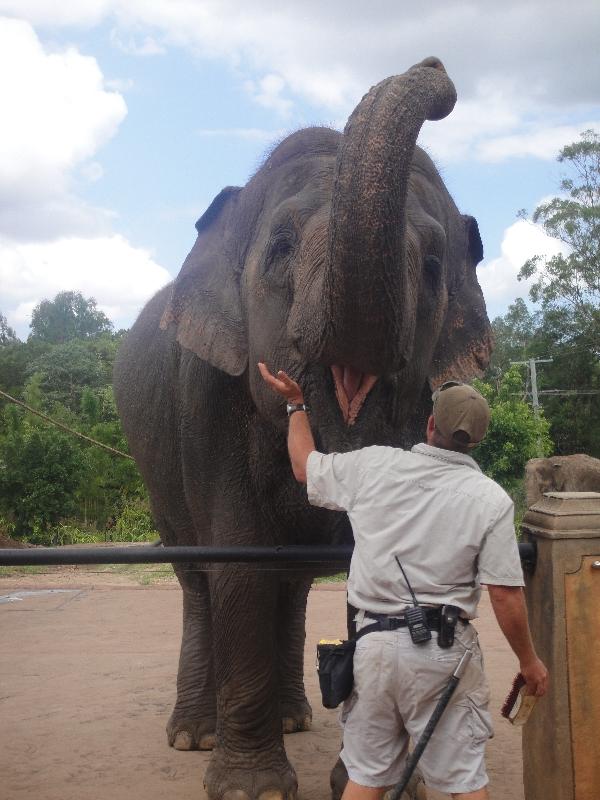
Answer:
[(561, 740)]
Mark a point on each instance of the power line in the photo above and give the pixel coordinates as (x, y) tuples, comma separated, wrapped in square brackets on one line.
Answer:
[(555, 392), (64, 427)]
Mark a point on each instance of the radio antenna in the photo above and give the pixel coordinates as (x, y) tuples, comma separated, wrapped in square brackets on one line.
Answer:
[(410, 589)]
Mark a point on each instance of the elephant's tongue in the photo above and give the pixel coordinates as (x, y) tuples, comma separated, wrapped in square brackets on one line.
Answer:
[(351, 389)]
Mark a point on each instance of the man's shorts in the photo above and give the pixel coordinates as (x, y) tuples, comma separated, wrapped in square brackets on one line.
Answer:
[(397, 685)]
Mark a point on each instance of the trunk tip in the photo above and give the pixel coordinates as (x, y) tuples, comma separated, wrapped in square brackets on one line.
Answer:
[(431, 61)]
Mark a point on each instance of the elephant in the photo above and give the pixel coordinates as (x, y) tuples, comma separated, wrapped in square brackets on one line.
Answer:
[(344, 261), (574, 473)]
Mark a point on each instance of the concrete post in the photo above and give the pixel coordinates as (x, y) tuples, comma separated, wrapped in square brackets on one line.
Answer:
[(561, 740)]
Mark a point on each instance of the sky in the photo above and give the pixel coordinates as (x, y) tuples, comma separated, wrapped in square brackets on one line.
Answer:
[(122, 119)]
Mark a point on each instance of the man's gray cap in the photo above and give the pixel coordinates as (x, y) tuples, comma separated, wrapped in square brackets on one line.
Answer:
[(460, 407)]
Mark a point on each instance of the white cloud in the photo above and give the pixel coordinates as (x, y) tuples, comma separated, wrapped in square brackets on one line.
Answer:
[(498, 277), (42, 12), (148, 46), (120, 277), (268, 93), (544, 143), (329, 53), (55, 112)]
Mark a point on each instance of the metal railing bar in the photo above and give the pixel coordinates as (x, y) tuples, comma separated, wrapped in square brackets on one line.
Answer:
[(144, 554)]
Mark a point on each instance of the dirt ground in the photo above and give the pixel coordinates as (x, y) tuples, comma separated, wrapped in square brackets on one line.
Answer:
[(87, 682)]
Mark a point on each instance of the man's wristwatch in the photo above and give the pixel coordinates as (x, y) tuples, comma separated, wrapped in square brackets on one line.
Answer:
[(291, 407)]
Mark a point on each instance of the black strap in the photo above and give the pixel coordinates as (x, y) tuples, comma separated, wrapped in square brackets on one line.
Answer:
[(376, 626), (389, 623)]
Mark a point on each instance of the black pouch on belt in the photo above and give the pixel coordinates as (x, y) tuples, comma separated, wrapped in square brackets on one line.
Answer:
[(448, 620), (335, 665), (336, 675)]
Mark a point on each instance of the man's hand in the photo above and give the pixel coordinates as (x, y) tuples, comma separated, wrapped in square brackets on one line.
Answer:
[(536, 677), (300, 438), (508, 603), (282, 384)]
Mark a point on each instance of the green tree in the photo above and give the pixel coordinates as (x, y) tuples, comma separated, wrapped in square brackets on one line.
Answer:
[(514, 334), (515, 434), (7, 334), (66, 370), (69, 316), (570, 282), (15, 359), (40, 469)]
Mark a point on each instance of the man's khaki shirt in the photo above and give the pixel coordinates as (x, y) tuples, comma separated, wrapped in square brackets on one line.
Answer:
[(451, 527)]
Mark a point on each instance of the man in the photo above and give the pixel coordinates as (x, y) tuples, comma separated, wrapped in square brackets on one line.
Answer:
[(433, 513)]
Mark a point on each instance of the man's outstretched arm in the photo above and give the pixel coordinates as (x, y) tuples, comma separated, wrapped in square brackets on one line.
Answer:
[(300, 439), (510, 609)]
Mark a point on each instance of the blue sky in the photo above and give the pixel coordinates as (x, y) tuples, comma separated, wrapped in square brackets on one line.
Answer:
[(122, 119)]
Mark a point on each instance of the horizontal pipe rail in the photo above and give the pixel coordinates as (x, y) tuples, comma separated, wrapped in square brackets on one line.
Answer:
[(144, 554)]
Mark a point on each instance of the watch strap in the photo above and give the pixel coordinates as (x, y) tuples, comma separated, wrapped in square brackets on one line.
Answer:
[(292, 407)]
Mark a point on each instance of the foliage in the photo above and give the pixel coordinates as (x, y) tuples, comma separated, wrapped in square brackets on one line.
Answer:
[(515, 434), (570, 281), (69, 316), (135, 523), (55, 488), (565, 324), (65, 370), (15, 360), (7, 334), (40, 469)]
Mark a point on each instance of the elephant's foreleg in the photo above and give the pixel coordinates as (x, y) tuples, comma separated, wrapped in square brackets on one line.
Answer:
[(249, 758), (296, 712), (193, 721)]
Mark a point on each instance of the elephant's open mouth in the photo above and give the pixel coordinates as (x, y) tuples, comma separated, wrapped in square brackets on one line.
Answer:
[(351, 390)]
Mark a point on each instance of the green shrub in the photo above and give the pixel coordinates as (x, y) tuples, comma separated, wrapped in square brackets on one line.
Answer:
[(134, 524)]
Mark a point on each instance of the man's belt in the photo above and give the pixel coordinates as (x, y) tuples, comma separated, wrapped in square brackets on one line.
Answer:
[(386, 622)]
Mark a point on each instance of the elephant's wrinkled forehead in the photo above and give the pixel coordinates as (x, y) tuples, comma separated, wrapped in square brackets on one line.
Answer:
[(300, 186)]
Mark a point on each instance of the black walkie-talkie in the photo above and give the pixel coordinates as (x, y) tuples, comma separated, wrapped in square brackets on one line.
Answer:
[(415, 615)]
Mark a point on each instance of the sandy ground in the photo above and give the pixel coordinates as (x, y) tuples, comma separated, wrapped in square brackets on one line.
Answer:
[(87, 679)]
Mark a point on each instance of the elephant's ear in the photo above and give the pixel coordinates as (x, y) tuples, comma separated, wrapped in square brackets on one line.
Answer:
[(205, 302), (465, 344)]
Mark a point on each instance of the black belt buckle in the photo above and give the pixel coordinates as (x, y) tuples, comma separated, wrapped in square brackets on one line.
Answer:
[(448, 620)]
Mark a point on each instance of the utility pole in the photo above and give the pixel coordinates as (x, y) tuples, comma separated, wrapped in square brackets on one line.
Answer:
[(534, 390)]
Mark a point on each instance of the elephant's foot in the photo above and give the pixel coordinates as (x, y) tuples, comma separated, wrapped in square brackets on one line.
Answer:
[(296, 716), (265, 777), (339, 778), (186, 732)]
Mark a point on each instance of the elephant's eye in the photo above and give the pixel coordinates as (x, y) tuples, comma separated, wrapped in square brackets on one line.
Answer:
[(279, 251)]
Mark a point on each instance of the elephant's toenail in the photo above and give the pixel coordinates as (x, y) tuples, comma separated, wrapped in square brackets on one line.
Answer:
[(183, 741), (289, 725), (235, 794), (271, 794), (306, 724), (207, 742)]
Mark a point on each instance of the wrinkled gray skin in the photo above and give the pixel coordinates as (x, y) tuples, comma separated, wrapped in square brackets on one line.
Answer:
[(344, 255), (575, 473)]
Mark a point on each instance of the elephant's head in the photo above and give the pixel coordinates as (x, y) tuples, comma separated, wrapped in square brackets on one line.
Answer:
[(345, 262)]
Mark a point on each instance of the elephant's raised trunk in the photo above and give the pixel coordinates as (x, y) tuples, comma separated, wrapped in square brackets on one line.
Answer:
[(369, 285)]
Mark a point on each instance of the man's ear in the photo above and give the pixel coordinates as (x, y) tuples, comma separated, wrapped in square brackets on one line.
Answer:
[(205, 302), (430, 426)]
